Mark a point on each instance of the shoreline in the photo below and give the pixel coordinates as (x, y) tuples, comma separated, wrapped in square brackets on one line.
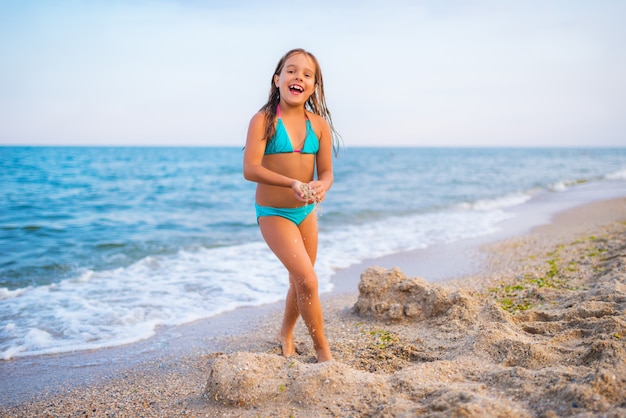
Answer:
[(51, 376), (433, 263)]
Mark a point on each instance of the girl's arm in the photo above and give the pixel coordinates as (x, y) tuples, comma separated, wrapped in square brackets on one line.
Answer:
[(324, 162), (253, 169)]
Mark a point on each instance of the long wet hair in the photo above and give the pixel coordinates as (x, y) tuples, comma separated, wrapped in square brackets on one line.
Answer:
[(316, 103)]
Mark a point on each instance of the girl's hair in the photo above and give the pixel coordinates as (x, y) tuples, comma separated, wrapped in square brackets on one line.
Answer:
[(315, 104)]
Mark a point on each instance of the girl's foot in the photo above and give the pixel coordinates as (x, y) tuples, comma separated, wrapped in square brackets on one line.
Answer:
[(324, 355), (287, 345)]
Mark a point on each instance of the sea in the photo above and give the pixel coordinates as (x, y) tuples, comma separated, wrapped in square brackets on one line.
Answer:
[(101, 246)]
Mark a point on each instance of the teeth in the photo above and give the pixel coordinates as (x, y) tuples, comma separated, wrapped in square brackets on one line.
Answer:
[(295, 87)]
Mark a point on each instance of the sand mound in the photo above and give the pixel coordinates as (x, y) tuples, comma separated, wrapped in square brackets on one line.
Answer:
[(335, 389), (246, 379), (391, 295), (413, 348)]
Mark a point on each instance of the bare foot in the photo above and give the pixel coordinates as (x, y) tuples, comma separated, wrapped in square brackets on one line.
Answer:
[(324, 355), (287, 345)]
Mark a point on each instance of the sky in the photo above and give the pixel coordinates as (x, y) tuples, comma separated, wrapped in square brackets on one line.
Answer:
[(396, 73)]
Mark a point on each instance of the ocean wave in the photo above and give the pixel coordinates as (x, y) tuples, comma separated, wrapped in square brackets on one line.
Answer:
[(109, 308), (12, 293), (513, 199), (618, 175)]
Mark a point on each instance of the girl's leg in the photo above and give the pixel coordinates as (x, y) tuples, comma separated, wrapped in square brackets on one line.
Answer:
[(289, 320), (287, 241), (308, 231)]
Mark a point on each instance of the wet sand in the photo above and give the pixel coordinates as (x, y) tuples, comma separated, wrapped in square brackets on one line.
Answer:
[(478, 337)]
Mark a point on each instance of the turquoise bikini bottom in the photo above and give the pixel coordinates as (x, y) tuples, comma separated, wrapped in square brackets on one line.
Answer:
[(295, 215)]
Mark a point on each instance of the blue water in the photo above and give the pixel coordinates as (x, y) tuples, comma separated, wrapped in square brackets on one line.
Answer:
[(100, 246)]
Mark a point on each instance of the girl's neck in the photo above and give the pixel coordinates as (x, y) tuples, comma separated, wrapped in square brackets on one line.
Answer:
[(290, 110)]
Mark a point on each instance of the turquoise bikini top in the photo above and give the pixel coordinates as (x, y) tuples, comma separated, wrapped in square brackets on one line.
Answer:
[(280, 142)]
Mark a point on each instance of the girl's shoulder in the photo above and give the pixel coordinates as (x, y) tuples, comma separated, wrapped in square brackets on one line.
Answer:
[(320, 125), (316, 120), (258, 118)]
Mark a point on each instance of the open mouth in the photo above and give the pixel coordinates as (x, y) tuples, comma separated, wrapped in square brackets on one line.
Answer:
[(295, 88)]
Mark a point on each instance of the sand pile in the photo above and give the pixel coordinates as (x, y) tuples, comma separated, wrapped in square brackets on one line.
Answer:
[(548, 342), (391, 295)]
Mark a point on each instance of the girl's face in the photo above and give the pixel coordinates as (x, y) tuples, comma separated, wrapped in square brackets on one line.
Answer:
[(296, 81)]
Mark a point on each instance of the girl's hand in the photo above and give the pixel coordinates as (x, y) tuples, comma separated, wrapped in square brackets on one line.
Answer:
[(312, 192), (299, 190), (317, 191)]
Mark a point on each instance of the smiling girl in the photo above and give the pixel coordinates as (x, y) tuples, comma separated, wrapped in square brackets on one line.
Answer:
[(289, 140)]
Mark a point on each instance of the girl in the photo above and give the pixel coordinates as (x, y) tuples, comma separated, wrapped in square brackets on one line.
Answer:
[(290, 137)]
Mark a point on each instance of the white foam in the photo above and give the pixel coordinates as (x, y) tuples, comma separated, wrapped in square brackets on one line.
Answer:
[(114, 307), (560, 186), (513, 199), (618, 175), (8, 294)]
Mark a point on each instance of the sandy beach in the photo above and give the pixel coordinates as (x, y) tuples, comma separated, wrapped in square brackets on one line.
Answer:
[(538, 330)]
